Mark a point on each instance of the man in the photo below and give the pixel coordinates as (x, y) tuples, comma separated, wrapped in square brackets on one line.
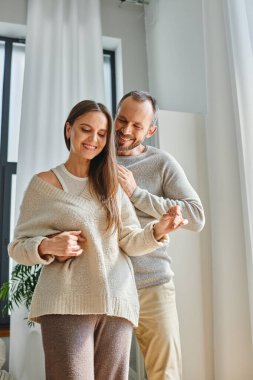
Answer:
[(154, 181)]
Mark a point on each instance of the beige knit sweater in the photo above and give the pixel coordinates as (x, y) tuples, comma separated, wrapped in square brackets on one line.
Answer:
[(101, 279)]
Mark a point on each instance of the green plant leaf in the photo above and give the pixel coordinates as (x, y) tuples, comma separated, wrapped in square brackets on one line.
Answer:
[(19, 290)]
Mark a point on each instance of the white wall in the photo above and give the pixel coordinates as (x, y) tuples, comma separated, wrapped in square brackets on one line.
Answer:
[(13, 11), (127, 22), (176, 54), (183, 135)]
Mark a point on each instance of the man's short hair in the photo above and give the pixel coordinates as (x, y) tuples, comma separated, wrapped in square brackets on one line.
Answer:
[(142, 96)]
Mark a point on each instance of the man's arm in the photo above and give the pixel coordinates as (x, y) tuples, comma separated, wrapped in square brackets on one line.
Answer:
[(155, 206), (176, 190)]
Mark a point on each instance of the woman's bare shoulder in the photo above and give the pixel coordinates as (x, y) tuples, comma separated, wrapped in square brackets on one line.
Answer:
[(50, 177)]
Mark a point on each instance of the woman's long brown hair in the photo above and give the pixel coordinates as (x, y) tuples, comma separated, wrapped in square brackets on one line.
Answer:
[(103, 169)]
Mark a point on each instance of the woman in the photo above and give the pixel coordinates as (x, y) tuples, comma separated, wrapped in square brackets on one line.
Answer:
[(77, 222)]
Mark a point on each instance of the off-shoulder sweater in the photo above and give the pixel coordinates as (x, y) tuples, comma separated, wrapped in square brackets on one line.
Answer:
[(101, 279)]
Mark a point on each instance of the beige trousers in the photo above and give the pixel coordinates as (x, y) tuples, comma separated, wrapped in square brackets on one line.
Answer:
[(158, 332)]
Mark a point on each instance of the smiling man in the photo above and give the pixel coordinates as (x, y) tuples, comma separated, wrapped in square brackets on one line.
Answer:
[(154, 181)]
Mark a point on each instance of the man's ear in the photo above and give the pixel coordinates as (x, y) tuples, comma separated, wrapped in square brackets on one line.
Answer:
[(151, 131), (67, 129)]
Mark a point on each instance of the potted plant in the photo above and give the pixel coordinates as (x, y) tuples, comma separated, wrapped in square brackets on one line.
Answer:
[(19, 290)]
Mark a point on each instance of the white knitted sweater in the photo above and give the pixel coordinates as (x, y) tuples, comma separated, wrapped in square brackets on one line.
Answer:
[(101, 279)]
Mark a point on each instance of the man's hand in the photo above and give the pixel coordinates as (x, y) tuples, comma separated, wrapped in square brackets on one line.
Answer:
[(126, 179), (63, 246), (170, 221)]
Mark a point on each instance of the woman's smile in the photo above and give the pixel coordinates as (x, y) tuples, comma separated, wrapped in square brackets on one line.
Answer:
[(89, 146)]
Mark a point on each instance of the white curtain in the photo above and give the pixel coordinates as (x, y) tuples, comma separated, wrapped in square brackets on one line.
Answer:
[(64, 64), (239, 29)]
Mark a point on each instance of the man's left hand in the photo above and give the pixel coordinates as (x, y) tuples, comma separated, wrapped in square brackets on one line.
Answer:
[(126, 179)]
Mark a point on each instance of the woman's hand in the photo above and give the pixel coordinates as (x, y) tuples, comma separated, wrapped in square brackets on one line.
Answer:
[(170, 221), (63, 246)]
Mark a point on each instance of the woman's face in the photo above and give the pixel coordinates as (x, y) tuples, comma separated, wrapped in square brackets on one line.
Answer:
[(88, 134)]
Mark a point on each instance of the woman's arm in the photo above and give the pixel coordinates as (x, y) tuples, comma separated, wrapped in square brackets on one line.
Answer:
[(135, 241), (31, 244), (62, 246)]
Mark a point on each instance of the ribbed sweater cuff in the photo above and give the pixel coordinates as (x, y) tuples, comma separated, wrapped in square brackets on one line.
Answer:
[(136, 194), (150, 239), (32, 247)]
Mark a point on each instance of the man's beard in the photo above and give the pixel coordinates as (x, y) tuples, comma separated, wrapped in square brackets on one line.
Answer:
[(120, 146)]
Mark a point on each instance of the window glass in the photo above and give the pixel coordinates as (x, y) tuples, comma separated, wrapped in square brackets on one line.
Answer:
[(16, 87)]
